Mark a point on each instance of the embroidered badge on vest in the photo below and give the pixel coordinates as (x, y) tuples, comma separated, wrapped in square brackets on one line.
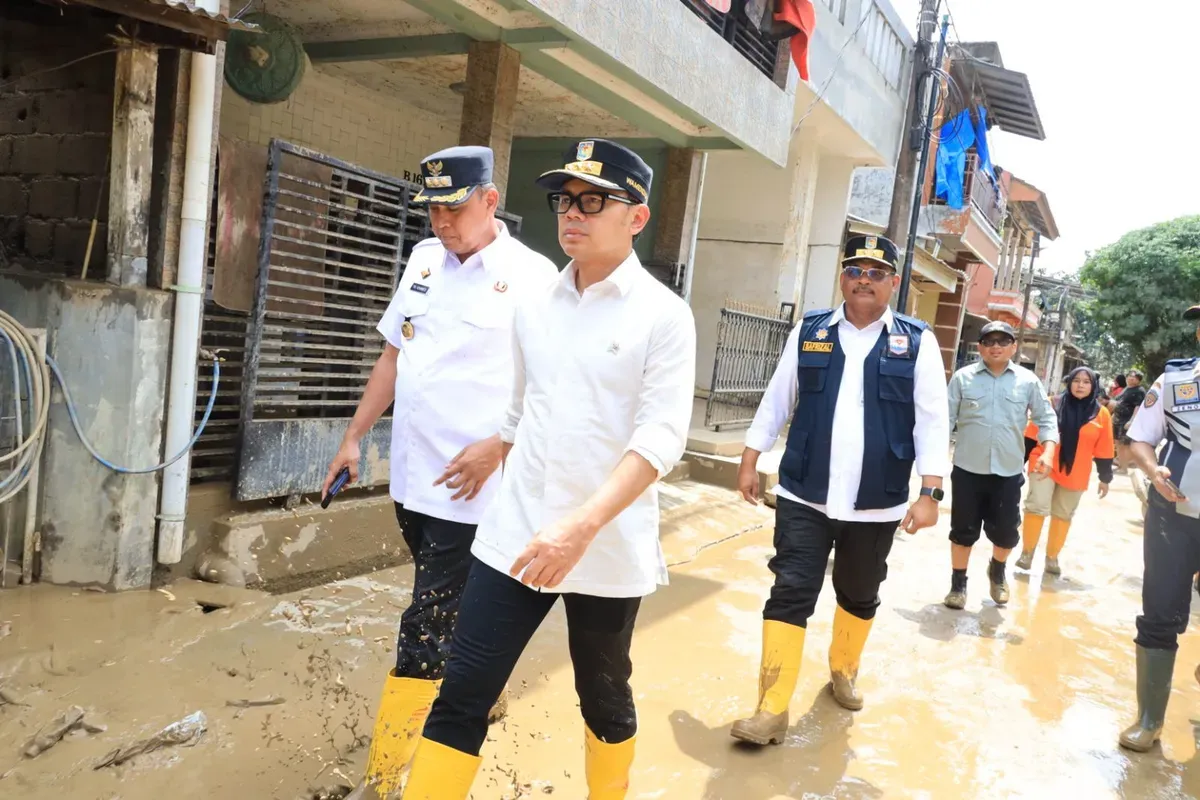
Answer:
[(898, 344), (1185, 394), (1151, 398)]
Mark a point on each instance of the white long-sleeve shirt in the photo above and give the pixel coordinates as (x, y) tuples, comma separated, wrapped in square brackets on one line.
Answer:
[(931, 431), (598, 375)]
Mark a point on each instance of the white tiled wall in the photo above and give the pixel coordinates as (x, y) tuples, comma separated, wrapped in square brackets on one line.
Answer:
[(345, 120)]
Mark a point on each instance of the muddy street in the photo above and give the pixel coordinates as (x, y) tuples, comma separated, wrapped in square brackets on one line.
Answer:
[(1024, 701)]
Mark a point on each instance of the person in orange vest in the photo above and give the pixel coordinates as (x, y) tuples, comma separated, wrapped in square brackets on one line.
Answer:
[(1086, 435)]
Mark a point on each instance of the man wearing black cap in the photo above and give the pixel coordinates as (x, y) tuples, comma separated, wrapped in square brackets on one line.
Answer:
[(1127, 405), (447, 365), (606, 361), (872, 381), (1171, 556), (991, 403)]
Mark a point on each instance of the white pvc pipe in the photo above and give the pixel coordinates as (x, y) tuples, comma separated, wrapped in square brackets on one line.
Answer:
[(694, 234), (189, 300)]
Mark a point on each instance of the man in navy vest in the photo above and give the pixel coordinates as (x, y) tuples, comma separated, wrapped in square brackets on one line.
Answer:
[(1170, 411), (873, 381)]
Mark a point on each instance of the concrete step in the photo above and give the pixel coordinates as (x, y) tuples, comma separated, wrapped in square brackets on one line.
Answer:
[(716, 443), (681, 472), (722, 470), (282, 550)]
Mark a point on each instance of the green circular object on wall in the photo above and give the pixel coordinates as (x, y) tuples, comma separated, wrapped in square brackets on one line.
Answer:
[(264, 67)]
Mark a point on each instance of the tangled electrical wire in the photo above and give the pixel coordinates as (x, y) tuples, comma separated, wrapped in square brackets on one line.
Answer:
[(31, 417)]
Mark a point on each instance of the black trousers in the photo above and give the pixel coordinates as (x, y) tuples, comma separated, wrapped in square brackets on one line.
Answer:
[(804, 538), (441, 552), (990, 501), (497, 618), (1171, 557)]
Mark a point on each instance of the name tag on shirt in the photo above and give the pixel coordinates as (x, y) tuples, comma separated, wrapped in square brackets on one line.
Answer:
[(818, 347), (419, 288), (1186, 396)]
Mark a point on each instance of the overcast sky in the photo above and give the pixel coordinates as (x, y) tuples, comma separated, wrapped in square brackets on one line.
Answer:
[(1116, 87)]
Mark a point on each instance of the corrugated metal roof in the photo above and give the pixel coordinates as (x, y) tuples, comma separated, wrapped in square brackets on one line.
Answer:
[(183, 15), (1007, 93)]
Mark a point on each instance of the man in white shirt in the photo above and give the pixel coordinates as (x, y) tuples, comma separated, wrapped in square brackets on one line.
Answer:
[(447, 371), (606, 364), (870, 381)]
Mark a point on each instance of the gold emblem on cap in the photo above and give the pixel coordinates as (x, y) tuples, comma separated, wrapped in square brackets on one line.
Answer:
[(586, 167), (434, 167), (435, 179), (407, 330), (871, 243), (584, 151), (868, 254)]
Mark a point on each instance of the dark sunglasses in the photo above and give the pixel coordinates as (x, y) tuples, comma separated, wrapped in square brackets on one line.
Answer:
[(588, 202), (996, 341), (874, 274)]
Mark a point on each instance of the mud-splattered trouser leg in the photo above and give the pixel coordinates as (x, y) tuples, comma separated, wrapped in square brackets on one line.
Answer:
[(1171, 558), (804, 538), (497, 618), (442, 556)]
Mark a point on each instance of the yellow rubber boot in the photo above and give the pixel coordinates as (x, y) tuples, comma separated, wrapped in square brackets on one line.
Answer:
[(845, 651), (402, 711), (1054, 545), (607, 767), (1029, 539), (440, 773), (782, 649)]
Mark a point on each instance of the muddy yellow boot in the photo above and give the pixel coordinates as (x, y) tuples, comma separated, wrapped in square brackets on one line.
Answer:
[(782, 648), (1054, 545), (1154, 670), (607, 767), (402, 711), (440, 773), (845, 651), (1029, 539)]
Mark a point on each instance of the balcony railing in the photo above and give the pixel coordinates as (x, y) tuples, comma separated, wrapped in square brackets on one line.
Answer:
[(984, 193), (735, 28)]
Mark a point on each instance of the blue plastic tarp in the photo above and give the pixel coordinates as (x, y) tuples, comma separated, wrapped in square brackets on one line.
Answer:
[(957, 136)]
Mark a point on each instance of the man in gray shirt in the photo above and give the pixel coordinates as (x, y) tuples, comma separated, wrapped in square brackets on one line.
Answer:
[(991, 402)]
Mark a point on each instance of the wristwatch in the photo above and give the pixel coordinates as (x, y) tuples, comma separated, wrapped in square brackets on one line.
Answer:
[(936, 494)]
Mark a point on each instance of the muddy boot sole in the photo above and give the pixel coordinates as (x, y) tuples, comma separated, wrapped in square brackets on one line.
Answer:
[(999, 594), (762, 729), (1052, 567), (1025, 561), (1138, 739), (956, 600)]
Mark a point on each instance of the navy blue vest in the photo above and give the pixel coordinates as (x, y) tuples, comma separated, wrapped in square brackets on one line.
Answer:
[(888, 413)]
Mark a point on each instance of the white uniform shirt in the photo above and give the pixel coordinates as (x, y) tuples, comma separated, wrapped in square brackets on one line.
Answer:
[(454, 376), (931, 432), (1172, 406), (598, 375)]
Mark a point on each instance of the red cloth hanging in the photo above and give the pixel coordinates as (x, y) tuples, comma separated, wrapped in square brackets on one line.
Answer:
[(720, 5), (802, 15)]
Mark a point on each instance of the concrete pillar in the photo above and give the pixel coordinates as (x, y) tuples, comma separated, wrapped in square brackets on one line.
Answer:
[(678, 205), (947, 324), (493, 72), (802, 171), (835, 177), (132, 168)]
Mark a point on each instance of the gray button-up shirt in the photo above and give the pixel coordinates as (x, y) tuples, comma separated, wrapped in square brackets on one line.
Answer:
[(990, 414)]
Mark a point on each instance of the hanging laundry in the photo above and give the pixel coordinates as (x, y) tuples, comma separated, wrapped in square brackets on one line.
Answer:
[(956, 137), (982, 149), (720, 5), (801, 15)]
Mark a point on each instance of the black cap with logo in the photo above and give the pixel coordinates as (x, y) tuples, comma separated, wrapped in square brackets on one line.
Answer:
[(605, 164), (871, 248), (449, 177), (998, 326)]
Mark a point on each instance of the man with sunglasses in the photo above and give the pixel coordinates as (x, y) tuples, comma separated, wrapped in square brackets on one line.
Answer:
[(866, 393), (606, 361), (991, 403), (447, 371)]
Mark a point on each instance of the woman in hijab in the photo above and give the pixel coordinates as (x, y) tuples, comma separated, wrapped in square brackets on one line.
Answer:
[(1085, 430)]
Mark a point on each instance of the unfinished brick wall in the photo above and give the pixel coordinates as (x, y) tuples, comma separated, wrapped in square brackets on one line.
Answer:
[(55, 126)]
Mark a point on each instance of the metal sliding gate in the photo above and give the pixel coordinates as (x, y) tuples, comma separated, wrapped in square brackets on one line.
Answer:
[(749, 344), (335, 239)]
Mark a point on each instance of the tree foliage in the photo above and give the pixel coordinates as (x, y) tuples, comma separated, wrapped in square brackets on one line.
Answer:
[(1142, 285)]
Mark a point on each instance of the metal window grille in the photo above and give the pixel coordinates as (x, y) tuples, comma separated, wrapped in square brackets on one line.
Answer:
[(749, 345), (735, 28)]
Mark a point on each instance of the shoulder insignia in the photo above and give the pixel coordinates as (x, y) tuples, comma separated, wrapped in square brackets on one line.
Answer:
[(1151, 398)]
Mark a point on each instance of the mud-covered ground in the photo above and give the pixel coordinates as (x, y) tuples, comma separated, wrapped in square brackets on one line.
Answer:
[(1025, 701)]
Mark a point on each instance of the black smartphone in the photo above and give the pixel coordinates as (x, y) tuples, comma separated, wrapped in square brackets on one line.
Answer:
[(338, 484)]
